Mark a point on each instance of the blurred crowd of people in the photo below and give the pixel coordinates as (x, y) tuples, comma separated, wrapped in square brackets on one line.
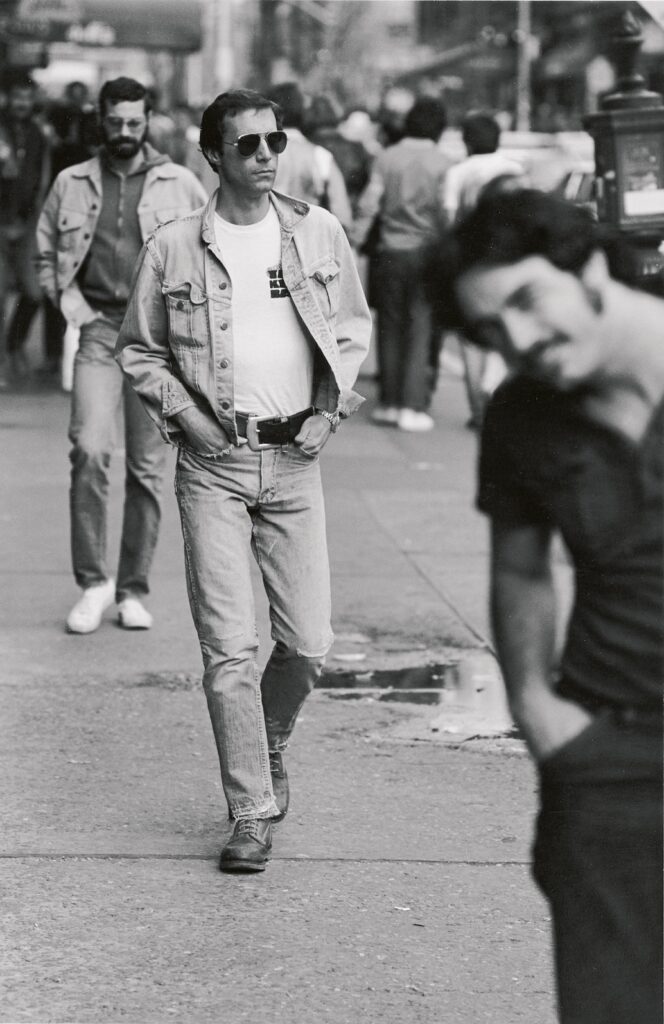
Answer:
[(388, 177)]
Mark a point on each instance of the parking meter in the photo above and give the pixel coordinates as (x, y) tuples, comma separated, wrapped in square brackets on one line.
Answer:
[(628, 132)]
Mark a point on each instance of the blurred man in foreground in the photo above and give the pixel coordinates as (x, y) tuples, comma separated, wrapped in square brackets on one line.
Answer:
[(90, 232), (573, 443)]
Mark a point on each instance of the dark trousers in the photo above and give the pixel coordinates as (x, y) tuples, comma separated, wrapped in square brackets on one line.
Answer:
[(598, 860), (408, 340)]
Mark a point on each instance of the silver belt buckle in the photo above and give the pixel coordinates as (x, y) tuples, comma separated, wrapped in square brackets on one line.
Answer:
[(252, 434)]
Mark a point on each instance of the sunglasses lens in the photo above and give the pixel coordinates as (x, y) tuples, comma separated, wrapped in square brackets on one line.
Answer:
[(277, 141), (248, 144)]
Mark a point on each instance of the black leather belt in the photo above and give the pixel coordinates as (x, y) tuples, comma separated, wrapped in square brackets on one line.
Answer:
[(270, 431)]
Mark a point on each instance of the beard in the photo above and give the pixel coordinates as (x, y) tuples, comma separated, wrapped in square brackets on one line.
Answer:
[(123, 147)]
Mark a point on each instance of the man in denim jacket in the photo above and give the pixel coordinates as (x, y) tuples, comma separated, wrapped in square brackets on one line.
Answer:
[(244, 336), (90, 232)]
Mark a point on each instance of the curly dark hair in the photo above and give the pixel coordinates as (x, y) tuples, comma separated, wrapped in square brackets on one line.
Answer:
[(119, 90), (506, 227)]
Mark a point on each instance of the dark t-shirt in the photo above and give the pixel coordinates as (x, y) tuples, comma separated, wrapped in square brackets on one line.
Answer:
[(543, 462)]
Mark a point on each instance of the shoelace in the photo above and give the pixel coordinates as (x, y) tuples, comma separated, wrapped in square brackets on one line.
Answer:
[(248, 826)]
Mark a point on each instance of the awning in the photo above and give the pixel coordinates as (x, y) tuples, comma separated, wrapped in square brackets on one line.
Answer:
[(567, 60), (143, 24)]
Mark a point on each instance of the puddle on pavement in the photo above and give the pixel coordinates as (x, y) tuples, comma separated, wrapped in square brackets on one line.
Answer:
[(431, 697), (417, 684)]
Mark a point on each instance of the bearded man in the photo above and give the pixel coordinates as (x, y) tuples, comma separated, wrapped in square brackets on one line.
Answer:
[(90, 233)]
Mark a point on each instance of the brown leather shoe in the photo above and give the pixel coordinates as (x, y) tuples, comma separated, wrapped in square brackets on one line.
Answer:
[(279, 784), (249, 847)]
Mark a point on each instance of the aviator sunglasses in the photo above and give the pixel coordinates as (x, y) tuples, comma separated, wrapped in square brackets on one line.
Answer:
[(248, 144)]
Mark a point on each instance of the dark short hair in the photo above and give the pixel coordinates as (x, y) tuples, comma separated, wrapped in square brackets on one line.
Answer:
[(481, 133), (121, 90), (228, 104), (321, 113), (290, 99), (426, 119), (507, 227)]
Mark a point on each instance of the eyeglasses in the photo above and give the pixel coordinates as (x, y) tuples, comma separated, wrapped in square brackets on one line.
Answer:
[(116, 124), (247, 145)]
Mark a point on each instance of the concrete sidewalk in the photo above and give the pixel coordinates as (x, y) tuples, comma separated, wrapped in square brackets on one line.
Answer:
[(399, 887)]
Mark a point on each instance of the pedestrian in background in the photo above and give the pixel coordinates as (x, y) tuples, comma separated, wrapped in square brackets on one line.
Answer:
[(72, 125), (405, 198), (351, 156), (90, 232), (466, 181), (24, 178), (573, 443), (243, 337), (308, 171)]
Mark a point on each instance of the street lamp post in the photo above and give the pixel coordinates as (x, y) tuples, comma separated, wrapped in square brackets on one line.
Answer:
[(523, 57)]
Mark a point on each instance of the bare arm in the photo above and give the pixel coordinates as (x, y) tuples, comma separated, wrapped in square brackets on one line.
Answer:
[(523, 611)]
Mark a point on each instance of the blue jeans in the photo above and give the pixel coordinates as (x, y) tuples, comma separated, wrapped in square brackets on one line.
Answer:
[(269, 502), (99, 391)]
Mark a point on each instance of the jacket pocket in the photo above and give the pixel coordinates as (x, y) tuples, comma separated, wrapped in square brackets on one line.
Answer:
[(188, 332), (186, 305), (324, 278), (70, 227)]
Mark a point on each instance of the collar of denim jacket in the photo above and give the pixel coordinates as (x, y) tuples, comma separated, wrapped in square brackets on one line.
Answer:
[(289, 211)]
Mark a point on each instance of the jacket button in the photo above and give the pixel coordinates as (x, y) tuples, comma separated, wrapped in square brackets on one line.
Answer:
[(225, 405), (223, 325), (85, 237), (223, 285), (179, 305), (224, 363)]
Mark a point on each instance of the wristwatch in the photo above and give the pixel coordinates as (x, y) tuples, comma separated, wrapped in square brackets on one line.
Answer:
[(333, 418)]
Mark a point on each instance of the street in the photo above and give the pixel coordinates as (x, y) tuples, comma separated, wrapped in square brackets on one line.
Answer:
[(399, 886)]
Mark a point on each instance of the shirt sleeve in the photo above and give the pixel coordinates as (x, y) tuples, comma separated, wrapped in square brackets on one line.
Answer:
[(507, 468)]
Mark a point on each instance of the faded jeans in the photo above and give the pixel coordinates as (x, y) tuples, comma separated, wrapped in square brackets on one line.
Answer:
[(270, 503), (99, 391)]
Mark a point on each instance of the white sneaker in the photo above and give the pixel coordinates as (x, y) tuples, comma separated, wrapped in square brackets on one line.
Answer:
[(86, 614), (417, 422), (386, 414), (132, 614)]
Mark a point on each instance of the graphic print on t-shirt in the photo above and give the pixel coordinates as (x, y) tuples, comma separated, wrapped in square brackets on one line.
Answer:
[(278, 289)]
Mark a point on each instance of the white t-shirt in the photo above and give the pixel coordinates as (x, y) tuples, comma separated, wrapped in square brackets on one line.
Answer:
[(273, 357), (465, 180)]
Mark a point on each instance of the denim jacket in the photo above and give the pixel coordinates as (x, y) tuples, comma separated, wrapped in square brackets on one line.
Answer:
[(176, 341), (69, 217)]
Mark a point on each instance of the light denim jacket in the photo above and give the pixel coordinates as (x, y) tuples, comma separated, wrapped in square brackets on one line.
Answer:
[(176, 341), (69, 217)]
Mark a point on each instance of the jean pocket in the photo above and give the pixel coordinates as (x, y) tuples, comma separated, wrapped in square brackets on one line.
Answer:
[(578, 749), (186, 449), (300, 453)]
